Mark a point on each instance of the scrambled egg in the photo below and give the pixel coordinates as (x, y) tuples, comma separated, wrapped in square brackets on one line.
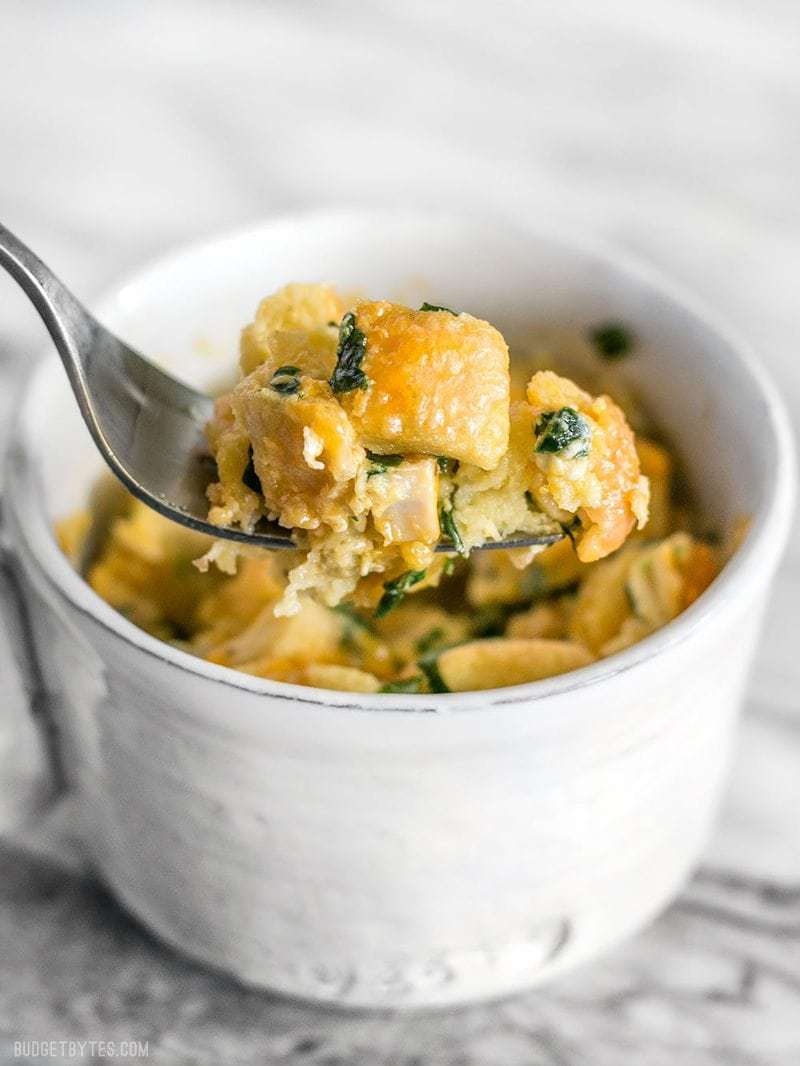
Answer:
[(372, 430)]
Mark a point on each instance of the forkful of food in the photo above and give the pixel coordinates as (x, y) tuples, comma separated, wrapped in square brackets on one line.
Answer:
[(376, 440)]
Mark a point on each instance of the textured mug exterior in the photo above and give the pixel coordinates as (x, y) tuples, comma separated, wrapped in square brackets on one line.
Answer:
[(391, 858), (394, 851)]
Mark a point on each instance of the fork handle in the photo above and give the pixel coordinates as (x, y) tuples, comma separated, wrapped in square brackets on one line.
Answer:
[(67, 320)]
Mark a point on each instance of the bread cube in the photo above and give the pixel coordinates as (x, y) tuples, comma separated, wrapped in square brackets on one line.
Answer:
[(304, 449), (585, 465), (542, 620), (297, 325), (415, 629), (483, 664), (602, 604), (434, 383), (311, 634), (340, 678)]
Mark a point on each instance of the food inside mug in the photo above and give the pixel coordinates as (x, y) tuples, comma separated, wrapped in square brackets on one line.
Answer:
[(372, 431)]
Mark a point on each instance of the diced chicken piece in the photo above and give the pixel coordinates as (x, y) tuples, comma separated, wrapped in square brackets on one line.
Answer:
[(585, 464), (436, 383), (484, 664), (305, 452), (298, 326), (404, 501)]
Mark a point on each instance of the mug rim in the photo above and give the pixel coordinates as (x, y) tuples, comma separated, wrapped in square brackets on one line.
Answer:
[(763, 543)]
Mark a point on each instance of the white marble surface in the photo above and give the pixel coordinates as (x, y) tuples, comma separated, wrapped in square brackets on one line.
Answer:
[(670, 127)]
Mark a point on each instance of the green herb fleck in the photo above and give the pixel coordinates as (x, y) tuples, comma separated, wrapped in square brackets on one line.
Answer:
[(428, 641), (348, 612), (612, 340), (437, 307), (631, 598), (394, 591), (563, 431), (449, 566), (249, 477), (490, 621), (429, 664), (450, 529), (447, 466), (381, 463), (333, 325), (530, 500), (286, 380), (347, 374), (406, 684)]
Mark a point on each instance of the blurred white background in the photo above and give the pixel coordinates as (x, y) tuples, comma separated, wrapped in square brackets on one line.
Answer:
[(670, 127)]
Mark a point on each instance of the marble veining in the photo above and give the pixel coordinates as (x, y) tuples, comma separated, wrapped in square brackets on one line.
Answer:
[(669, 128)]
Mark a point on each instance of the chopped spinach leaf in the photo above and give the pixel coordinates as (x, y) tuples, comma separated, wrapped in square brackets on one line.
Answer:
[(429, 664), (381, 463), (406, 684), (180, 633), (437, 307), (347, 374), (250, 477), (447, 466), (490, 621), (428, 641), (348, 611), (563, 431), (348, 642), (450, 529), (286, 380), (612, 340), (394, 591)]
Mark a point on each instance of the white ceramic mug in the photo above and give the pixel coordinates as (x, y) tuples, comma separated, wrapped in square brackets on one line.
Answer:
[(402, 850)]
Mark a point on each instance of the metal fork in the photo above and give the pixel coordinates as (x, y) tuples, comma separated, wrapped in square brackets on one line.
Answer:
[(149, 427)]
